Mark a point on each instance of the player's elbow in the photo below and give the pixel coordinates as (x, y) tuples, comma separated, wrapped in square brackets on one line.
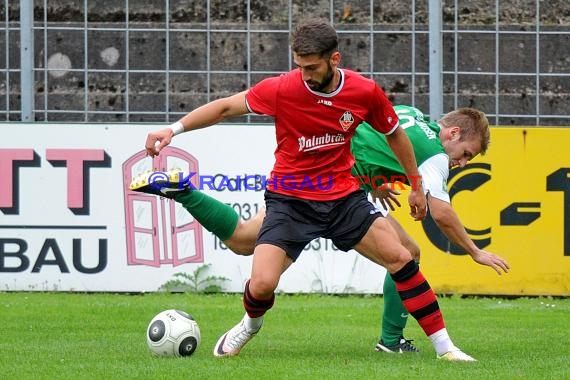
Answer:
[(439, 216), (443, 222)]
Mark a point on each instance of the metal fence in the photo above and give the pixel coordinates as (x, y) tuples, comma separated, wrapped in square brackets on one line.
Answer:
[(153, 61)]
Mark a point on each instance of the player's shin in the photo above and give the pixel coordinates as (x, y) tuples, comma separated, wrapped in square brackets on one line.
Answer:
[(215, 216), (255, 309), (420, 301), (394, 315)]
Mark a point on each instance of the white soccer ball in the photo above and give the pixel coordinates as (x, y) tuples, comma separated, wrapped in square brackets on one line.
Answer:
[(173, 333)]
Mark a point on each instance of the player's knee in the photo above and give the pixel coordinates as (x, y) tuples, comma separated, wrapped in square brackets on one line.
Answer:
[(262, 287), (395, 257)]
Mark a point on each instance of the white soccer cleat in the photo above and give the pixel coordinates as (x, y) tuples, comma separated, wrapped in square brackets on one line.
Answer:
[(456, 355), (231, 343)]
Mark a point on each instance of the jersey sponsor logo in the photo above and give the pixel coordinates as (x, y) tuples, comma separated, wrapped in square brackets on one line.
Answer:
[(346, 120), (325, 102), (316, 142), (430, 134)]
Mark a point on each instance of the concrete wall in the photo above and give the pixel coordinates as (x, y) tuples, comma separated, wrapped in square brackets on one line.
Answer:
[(146, 91)]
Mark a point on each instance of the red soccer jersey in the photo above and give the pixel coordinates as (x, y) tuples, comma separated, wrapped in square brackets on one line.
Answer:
[(313, 129)]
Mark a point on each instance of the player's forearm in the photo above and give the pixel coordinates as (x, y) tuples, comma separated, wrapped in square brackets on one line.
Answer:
[(212, 113), (449, 223)]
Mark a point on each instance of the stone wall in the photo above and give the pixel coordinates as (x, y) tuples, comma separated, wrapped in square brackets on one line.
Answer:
[(109, 87)]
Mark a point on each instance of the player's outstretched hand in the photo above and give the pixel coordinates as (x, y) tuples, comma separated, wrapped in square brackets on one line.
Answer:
[(157, 140), (494, 261), (386, 197)]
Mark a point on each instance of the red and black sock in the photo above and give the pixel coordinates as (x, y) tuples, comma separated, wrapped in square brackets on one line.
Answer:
[(418, 297), (256, 307)]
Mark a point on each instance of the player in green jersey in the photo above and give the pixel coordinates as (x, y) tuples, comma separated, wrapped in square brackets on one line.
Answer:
[(438, 146), (457, 138)]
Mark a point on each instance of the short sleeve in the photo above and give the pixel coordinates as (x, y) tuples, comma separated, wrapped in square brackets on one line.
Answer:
[(434, 172), (383, 117), (262, 97)]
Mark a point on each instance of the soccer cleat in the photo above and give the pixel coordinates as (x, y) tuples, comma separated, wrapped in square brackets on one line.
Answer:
[(456, 355), (165, 184), (404, 346), (231, 343)]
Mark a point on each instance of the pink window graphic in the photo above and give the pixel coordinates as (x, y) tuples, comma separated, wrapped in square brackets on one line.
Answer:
[(159, 230)]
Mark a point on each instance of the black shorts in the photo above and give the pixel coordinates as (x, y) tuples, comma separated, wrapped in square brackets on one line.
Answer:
[(291, 223)]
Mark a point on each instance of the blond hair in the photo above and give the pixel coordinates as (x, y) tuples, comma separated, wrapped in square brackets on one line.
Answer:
[(473, 124)]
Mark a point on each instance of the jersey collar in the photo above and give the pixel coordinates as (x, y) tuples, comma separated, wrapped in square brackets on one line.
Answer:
[(329, 94)]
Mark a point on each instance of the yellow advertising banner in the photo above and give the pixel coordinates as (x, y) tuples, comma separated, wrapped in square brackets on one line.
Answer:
[(515, 202)]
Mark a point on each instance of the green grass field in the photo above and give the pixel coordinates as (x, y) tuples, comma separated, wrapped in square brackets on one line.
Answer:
[(102, 336)]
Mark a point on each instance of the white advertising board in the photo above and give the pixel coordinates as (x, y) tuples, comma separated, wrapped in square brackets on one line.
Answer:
[(69, 223)]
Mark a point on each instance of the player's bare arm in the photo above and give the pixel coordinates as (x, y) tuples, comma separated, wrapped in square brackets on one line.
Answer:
[(448, 222), (204, 116), (402, 148)]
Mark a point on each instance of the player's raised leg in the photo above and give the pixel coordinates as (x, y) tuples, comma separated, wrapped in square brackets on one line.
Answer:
[(215, 216)]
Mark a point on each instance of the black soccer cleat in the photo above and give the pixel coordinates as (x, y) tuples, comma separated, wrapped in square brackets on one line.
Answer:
[(404, 346)]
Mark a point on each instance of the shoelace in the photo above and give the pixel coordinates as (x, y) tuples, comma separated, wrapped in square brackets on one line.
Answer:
[(239, 338), (407, 343)]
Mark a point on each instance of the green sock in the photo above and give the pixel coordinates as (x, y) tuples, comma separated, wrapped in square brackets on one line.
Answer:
[(215, 216), (395, 315)]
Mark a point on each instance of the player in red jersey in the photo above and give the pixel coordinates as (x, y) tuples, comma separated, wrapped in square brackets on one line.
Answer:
[(311, 192), (314, 127)]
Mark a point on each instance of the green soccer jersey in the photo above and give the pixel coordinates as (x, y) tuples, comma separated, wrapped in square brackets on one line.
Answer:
[(377, 164)]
